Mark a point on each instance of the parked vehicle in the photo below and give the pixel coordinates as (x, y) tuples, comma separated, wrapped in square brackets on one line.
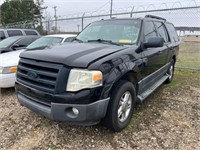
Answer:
[(5, 33), (16, 43), (111, 65), (9, 61), (50, 40)]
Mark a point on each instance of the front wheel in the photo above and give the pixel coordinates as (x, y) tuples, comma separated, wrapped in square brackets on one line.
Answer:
[(121, 106)]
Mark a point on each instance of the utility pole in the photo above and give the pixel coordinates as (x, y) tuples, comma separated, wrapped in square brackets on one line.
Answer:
[(78, 25), (55, 16), (111, 8)]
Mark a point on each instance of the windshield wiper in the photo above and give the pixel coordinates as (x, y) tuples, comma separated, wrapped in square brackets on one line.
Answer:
[(75, 39), (105, 41)]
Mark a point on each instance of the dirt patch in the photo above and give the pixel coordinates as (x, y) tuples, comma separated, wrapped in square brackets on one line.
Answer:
[(168, 119)]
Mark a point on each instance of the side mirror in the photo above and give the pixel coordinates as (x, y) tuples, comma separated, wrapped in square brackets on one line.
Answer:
[(154, 42), (15, 46)]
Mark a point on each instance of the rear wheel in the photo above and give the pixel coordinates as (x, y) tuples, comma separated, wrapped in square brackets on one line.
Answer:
[(170, 72), (121, 106)]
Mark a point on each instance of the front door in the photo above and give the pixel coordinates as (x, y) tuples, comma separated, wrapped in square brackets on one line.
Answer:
[(154, 58)]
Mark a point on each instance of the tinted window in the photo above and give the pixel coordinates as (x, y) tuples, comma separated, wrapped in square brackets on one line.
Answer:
[(161, 31), (25, 41), (14, 32), (2, 35), (45, 41), (30, 32), (8, 42), (172, 32), (149, 30), (69, 39)]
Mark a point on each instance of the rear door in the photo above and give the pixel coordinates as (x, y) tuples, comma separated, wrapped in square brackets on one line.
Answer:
[(174, 40), (163, 51)]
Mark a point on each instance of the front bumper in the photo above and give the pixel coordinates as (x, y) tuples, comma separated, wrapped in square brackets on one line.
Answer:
[(88, 113), (7, 80)]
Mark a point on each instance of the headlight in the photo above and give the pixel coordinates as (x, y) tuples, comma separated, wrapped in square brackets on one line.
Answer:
[(82, 79), (7, 70)]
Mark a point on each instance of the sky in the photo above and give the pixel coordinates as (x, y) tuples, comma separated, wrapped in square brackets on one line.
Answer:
[(66, 7), (72, 8)]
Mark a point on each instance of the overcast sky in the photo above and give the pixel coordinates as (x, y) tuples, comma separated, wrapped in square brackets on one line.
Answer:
[(66, 8)]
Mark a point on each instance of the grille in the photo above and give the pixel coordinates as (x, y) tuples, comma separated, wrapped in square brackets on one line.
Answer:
[(39, 75)]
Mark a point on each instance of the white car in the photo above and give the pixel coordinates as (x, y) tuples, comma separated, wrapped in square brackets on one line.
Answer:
[(9, 61)]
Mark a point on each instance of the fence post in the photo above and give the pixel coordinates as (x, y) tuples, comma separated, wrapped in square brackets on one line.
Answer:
[(131, 15), (82, 21)]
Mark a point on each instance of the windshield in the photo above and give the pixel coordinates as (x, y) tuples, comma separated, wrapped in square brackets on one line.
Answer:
[(7, 42), (117, 31), (45, 41)]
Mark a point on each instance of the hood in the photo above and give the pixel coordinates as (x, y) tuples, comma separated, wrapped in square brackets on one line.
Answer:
[(10, 58), (74, 54)]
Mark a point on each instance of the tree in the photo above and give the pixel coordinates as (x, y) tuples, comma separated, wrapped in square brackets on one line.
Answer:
[(13, 11)]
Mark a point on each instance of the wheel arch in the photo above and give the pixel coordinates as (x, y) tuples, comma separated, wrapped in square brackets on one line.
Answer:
[(130, 75)]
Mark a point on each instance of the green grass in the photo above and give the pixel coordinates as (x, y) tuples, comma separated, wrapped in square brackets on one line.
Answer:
[(189, 55), (51, 146), (152, 105)]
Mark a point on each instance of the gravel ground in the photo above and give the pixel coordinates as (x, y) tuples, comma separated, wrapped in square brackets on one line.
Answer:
[(168, 119)]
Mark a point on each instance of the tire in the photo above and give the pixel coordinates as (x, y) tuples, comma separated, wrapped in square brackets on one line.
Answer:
[(123, 99), (170, 72)]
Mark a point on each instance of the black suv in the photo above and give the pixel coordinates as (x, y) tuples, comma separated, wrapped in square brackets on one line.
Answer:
[(110, 65)]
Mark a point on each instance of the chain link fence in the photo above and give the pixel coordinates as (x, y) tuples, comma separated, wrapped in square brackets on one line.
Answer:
[(186, 19)]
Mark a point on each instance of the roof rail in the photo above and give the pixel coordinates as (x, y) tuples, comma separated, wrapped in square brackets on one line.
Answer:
[(155, 17)]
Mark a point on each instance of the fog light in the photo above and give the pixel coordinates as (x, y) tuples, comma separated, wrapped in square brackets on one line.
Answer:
[(75, 111)]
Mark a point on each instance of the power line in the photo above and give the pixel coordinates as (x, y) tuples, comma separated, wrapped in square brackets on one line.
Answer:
[(135, 12), (101, 7)]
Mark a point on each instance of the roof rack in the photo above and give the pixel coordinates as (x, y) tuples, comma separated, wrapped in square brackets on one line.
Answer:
[(154, 17)]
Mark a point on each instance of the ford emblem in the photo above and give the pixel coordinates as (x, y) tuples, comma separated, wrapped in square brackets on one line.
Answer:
[(32, 75)]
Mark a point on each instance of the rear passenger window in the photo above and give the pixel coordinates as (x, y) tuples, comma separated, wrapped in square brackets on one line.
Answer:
[(161, 31), (173, 34), (149, 30), (14, 32), (2, 35), (29, 32)]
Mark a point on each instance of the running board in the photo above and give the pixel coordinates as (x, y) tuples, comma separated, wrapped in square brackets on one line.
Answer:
[(145, 94)]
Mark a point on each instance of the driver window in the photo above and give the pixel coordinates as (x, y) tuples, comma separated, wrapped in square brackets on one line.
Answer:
[(24, 42), (162, 31), (149, 30)]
